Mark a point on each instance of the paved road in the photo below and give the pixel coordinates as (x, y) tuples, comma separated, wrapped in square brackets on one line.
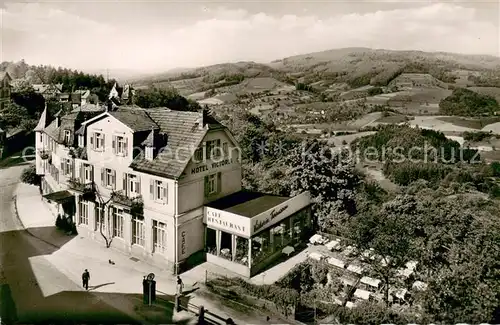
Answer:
[(22, 300)]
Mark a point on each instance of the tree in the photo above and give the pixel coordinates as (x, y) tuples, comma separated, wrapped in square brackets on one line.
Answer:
[(31, 100), (164, 97), (329, 176), (29, 176), (389, 234)]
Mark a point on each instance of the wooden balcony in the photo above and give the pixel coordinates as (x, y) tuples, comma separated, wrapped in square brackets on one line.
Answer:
[(120, 197), (80, 186)]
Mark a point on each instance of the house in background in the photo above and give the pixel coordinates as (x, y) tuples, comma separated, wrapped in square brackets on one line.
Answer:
[(122, 96), (48, 90), (5, 89)]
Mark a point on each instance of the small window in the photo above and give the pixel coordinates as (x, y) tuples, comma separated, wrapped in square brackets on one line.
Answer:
[(67, 136), (212, 184), (97, 141), (198, 155), (225, 149), (120, 145), (108, 177)]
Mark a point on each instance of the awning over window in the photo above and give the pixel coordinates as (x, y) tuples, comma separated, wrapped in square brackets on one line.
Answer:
[(59, 196)]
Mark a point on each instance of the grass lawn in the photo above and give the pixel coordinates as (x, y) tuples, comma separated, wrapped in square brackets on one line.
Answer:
[(473, 123)]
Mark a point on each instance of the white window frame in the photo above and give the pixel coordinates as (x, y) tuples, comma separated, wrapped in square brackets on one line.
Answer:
[(84, 212), (99, 212), (121, 147), (81, 141), (159, 237), (118, 220), (159, 187), (67, 136), (212, 184), (87, 173), (98, 141), (66, 167), (108, 177), (138, 232), (133, 185)]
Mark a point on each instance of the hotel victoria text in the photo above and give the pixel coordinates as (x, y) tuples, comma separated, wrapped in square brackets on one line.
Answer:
[(163, 186)]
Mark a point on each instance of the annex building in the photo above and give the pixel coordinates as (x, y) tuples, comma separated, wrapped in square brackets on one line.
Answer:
[(163, 186)]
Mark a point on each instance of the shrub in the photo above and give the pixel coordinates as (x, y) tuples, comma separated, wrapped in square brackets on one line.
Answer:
[(29, 176)]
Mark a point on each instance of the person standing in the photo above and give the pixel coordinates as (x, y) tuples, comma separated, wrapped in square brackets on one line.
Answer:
[(85, 279), (180, 285)]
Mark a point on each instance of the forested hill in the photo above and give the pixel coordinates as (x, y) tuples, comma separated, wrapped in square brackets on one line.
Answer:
[(71, 79)]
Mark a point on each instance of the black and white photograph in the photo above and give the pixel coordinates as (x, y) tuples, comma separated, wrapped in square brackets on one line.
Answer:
[(250, 162)]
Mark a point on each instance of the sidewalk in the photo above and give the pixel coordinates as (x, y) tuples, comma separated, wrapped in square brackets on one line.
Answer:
[(124, 277)]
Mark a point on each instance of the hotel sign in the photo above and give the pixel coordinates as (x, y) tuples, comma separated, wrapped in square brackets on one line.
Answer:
[(209, 166), (227, 221), (280, 212)]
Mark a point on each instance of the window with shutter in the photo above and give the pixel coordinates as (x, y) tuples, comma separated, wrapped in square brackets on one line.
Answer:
[(113, 144), (124, 185), (125, 147), (219, 182), (152, 190), (92, 141), (165, 193), (113, 185), (103, 177), (103, 142), (206, 185), (82, 172)]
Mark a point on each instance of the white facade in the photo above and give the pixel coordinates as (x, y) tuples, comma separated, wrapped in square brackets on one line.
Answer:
[(172, 226)]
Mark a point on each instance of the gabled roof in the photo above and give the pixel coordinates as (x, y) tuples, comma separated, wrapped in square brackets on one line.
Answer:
[(183, 132), (43, 121), (4, 74), (136, 119), (84, 93)]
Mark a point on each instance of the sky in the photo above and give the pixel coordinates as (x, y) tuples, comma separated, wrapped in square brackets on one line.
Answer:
[(155, 36)]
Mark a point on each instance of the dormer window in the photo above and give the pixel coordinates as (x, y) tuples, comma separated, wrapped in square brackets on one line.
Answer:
[(81, 141), (67, 136), (198, 155), (149, 153)]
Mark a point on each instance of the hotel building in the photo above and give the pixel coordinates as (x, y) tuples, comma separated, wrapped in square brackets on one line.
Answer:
[(163, 186)]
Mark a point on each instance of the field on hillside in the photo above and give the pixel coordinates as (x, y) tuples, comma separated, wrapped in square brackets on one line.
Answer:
[(490, 91), (473, 123)]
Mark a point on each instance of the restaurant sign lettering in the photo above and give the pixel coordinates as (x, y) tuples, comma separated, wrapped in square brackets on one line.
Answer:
[(228, 221), (272, 215)]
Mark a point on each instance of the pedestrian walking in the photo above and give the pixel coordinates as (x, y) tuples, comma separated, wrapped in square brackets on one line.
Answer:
[(180, 285), (85, 279)]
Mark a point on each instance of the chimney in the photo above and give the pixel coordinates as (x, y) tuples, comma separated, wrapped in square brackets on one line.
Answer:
[(203, 117)]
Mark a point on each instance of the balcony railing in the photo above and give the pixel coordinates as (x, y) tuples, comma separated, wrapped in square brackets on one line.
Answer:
[(120, 197), (45, 154), (79, 186)]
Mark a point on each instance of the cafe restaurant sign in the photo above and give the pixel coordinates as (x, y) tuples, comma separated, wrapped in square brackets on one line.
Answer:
[(230, 222), (280, 212)]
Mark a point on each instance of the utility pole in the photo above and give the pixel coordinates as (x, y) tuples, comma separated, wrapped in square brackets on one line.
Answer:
[(314, 311)]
